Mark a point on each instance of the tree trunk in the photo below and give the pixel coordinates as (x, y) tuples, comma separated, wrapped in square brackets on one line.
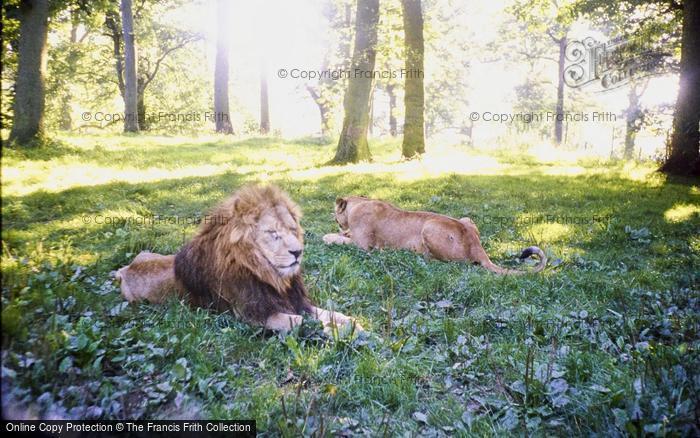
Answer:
[(221, 109), (112, 23), (392, 110), (264, 103), (370, 124), (320, 96), (325, 109), (559, 110), (131, 122), (684, 157), (468, 131), (141, 111), (30, 89), (352, 145), (141, 104), (66, 122), (632, 124), (414, 100)]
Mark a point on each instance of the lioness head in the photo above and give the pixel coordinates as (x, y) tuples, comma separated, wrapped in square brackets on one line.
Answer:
[(341, 213)]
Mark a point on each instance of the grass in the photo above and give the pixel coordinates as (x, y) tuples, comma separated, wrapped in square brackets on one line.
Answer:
[(604, 341)]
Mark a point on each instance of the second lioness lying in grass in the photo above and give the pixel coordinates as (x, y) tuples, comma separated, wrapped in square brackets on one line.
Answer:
[(370, 223)]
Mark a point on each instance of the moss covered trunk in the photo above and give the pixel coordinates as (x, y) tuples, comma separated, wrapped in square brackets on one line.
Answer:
[(559, 109), (221, 109), (684, 154), (352, 145), (131, 122), (30, 88), (414, 99)]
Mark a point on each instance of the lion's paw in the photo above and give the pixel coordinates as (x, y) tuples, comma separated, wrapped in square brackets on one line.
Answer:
[(295, 320), (344, 327), (330, 239)]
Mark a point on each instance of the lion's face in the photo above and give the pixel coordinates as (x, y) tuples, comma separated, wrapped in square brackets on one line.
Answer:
[(280, 240)]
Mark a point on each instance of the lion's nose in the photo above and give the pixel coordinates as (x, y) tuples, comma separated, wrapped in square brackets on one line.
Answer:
[(296, 253)]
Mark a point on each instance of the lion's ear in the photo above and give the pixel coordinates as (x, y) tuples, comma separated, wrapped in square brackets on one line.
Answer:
[(341, 204), (235, 205)]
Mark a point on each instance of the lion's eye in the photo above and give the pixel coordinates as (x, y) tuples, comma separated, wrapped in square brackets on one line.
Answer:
[(274, 234)]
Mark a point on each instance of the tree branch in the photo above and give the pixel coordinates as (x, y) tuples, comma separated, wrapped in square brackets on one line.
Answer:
[(139, 8), (551, 35), (85, 35), (314, 95), (183, 43), (530, 55)]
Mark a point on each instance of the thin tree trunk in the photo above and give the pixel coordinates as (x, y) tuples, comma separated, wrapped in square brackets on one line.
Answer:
[(352, 145), (30, 88), (112, 23), (468, 131), (221, 109), (325, 109), (370, 125), (141, 111), (630, 135), (66, 122), (392, 110), (131, 122), (141, 104), (325, 105), (74, 22), (414, 99), (684, 157), (632, 124), (559, 110), (264, 102)]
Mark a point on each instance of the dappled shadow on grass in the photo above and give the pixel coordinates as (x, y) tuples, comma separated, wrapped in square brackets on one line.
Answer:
[(100, 165), (562, 213), (312, 140), (45, 151), (123, 158), (170, 156), (142, 152)]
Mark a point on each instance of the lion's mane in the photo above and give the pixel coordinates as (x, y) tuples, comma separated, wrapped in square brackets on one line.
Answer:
[(222, 268)]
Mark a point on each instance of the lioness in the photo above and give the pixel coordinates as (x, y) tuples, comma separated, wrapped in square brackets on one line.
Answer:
[(246, 258), (370, 223)]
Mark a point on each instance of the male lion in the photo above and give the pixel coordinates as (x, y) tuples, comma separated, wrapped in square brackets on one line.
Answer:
[(370, 223), (245, 258)]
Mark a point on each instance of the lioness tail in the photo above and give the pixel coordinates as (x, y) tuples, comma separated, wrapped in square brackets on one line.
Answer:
[(527, 252)]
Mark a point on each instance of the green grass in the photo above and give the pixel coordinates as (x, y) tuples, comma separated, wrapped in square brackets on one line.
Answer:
[(604, 341)]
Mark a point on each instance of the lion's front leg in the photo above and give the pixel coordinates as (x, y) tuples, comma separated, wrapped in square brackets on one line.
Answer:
[(283, 322), (337, 319), (337, 238)]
